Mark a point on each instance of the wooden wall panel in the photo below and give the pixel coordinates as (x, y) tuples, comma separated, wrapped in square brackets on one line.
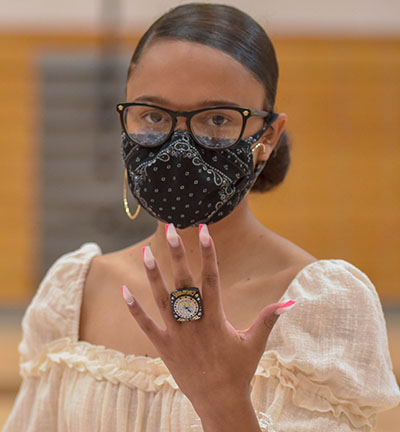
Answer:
[(17, 171), (340, 199)]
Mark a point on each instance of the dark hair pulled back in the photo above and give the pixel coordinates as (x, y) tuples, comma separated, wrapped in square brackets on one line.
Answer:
[(237, 34)]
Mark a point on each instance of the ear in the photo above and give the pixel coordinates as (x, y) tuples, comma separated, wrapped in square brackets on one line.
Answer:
[(270, 138)]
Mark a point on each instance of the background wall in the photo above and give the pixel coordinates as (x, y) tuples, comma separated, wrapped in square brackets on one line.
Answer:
[(340, 199), (356, 17)]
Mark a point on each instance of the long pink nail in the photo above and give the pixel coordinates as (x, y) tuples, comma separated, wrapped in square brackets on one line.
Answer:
[(172, 235), (126, 294), (148, 258), (204, 235), (285, 307)]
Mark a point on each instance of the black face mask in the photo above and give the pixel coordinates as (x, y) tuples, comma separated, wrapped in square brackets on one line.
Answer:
[(186, 184)]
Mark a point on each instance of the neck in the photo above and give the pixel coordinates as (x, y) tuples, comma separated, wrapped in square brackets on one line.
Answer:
[(233, 238)]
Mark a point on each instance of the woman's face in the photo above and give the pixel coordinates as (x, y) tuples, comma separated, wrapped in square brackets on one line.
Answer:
[(185, 76)]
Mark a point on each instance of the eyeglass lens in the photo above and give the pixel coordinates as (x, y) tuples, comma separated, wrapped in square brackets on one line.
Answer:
[(214, 128)]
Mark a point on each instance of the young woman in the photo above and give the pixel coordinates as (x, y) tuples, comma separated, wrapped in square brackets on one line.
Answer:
[(197, 344)]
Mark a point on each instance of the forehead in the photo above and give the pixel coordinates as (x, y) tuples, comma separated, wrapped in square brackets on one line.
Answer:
[(186, 73)]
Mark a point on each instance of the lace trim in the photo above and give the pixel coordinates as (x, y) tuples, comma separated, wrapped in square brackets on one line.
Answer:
[(265, 422), (140, 372), (311, 395), (150, 374), (102, 363)]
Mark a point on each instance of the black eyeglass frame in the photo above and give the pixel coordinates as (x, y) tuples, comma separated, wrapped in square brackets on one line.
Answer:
[(245, 112)]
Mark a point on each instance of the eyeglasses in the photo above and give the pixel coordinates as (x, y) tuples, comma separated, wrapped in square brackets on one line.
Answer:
[(215, 128)]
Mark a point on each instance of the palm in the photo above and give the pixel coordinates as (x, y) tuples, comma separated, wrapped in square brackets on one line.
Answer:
[(208, 353)]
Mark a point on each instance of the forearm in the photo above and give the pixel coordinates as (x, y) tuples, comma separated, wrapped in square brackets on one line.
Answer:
[(233, 415)]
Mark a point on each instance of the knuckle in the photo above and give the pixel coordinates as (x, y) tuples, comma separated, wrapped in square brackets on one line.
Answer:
[(147, 327), (269, 323), (154, 276), (146, 324), (178, 253), (144, 321), (135, 310), (211, 279), (164, 302), (138, 312), (156, 281), (184, 281), (208, 253)]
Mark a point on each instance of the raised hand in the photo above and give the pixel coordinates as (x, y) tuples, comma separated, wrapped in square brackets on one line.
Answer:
[(211, 361)]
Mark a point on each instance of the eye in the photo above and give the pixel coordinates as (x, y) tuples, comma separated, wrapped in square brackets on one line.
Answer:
[(154, 117), (218, 120)]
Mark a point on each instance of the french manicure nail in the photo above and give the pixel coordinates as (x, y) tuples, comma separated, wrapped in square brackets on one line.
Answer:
[(172, 235), (126, 294), (204, 235), (148, 258), (285, 307)]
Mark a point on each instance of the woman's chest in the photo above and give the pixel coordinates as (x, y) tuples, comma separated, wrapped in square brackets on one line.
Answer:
[(106, 320)]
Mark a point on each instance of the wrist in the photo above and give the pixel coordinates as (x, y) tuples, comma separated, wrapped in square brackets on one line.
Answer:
[(234, 413)]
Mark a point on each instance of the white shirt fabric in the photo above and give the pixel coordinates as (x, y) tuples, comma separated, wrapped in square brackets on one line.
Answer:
[(326, 366)]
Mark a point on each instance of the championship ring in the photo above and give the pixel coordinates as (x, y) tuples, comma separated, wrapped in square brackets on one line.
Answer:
[(186, 304)]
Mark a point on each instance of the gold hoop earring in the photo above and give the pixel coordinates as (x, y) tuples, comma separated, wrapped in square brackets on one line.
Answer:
[(258, 146), (125, 199), (263, 149)]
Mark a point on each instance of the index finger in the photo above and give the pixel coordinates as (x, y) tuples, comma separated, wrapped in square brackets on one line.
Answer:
[(159, 289), (210, 289)]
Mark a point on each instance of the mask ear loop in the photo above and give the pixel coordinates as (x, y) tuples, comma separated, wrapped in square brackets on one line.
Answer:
[(125, 199)]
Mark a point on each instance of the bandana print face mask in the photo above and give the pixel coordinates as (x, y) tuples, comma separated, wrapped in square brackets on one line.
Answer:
[(186, 184)]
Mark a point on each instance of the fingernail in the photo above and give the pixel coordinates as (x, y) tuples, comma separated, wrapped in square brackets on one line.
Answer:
[(285, 307), (148, 258), (172, 235), (126, 294), (204, 235)]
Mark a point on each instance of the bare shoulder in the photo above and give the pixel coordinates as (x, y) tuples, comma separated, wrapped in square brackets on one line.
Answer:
[(100, 293), (114, 267), (104, 312), (275, 262), (285, 255), (288, 259)]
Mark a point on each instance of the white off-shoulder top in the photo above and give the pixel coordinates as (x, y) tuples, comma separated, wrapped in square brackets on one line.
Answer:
[(326, 367)]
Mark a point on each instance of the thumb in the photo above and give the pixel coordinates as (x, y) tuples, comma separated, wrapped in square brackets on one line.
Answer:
[(266, 320)]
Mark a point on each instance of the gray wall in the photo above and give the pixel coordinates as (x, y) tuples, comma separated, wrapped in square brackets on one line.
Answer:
[(81, 167)]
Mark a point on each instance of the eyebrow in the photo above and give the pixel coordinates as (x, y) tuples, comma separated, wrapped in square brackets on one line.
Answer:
[(204, 103)]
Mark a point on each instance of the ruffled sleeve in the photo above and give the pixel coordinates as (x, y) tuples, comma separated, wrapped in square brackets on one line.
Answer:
[(327, 364), (54, 310), (52, 315)]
